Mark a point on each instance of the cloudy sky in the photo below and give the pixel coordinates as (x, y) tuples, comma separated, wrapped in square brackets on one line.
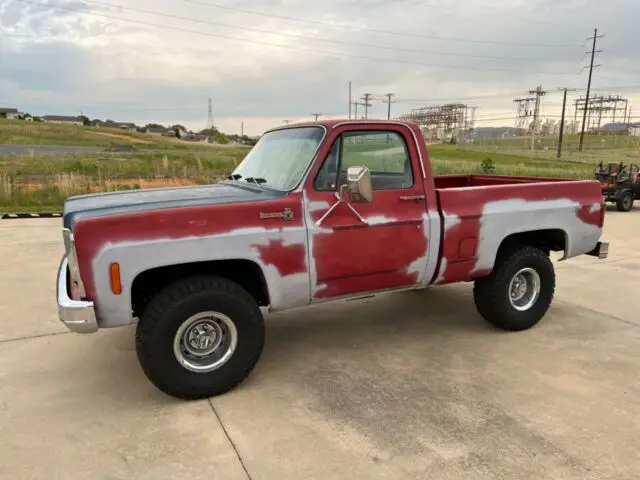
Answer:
[(262, 62)]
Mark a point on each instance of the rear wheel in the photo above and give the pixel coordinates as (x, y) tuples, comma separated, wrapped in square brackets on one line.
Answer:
[(519, 291), (199, 337), (625, 201)]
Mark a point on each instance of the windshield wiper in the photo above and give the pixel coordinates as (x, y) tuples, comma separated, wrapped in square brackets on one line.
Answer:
[(235, 176), (256, 180)]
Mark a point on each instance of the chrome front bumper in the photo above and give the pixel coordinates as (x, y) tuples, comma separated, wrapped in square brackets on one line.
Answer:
[(78, 316)]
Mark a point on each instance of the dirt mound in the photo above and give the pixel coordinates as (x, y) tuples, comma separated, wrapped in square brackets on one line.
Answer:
[(123, 137)]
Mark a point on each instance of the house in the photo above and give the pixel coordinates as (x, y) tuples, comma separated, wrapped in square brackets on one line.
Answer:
[(634, 130), (63, 120), (158, 131), (9, 113), (132, 127)]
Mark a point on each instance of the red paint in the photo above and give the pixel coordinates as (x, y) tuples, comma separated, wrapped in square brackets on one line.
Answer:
[(591, 217), (367, 283), (288, 259)]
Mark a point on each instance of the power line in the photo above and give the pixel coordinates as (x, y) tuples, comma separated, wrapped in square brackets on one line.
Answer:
[(307, 37), (311, 50), (373, 30)]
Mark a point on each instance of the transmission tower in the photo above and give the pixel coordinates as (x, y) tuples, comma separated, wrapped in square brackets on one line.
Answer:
[(524, 112), (539, 93)]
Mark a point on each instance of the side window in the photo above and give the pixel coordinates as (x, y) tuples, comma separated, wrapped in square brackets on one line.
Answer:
[(384, 153)]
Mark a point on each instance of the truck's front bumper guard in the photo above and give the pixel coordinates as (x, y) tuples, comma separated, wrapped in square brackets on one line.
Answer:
[(79, 316), (601, 250)]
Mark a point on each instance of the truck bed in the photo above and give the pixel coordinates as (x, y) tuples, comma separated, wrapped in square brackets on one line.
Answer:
[(460, 181), (478, 212)]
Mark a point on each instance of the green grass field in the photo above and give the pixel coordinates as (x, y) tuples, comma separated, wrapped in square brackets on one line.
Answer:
[(596, 148), (42, 183), (18, 132)]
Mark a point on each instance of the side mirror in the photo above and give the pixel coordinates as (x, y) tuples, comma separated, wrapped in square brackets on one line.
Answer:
[(359, 184)]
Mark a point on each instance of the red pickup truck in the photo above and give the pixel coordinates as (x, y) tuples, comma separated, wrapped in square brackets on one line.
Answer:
[(315, 212)]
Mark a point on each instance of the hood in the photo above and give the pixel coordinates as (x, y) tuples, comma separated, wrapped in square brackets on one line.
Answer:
[(126, 201)]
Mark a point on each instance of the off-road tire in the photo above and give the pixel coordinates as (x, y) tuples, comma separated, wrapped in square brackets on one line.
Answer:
[(174, 304), (625, 202), (491, 293)]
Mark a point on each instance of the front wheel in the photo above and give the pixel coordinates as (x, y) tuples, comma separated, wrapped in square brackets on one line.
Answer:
[(199, 337), (518, 292)]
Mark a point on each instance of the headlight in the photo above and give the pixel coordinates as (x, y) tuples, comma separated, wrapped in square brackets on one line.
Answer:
[(70, 249)]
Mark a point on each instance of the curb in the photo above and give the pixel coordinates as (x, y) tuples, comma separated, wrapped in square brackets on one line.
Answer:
[(11, 216)]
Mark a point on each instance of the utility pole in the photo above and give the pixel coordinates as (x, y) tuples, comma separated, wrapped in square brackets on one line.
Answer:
[(242, 128), (388, 101), (209, 116), (366, 97), (538, 92), (586, 102), (564, 105), (316, 115), (349, 99), (355, 113)]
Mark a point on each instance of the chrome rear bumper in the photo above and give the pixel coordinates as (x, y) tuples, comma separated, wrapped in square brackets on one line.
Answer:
[(601, 251), (78, 316)]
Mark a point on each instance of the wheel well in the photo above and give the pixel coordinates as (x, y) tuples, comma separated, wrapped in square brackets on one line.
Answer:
[(552, 240), (245, 273)]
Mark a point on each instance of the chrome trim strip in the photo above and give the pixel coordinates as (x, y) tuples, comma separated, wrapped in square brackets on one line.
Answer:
[(78, 316)]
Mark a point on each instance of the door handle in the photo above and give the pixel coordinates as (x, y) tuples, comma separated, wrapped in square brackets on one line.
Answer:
[(413, 197)]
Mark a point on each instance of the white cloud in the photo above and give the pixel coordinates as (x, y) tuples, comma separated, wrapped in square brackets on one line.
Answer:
[(71, 60)]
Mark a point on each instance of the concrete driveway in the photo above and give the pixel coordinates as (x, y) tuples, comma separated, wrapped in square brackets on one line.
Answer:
[(405, 386)]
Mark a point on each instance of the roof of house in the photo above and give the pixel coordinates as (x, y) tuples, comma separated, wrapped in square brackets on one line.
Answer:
[(8, 110), (62, 118), (121, 124)]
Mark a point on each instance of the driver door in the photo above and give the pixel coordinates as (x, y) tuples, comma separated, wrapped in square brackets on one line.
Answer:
[(371, 246)]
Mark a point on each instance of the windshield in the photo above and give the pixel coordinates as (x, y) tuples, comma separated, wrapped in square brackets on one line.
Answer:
[(280, 158)]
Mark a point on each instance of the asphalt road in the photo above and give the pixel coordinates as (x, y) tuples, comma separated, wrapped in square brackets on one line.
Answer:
[(8, 150), (405, 386)]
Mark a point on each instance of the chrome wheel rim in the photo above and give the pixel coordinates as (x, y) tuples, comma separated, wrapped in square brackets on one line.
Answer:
[(524, 289), (205, 342)]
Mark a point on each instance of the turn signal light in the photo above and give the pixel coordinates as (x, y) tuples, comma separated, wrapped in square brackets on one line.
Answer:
[(114, 277)]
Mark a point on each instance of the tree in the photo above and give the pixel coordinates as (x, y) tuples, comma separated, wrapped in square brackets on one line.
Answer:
[(85, 121)]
